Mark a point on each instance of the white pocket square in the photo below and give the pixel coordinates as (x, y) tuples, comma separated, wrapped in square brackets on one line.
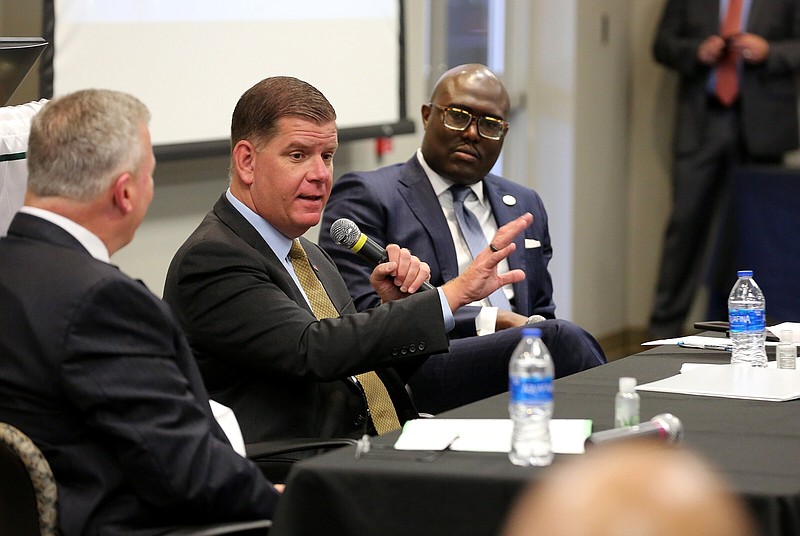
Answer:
[(531, 243)]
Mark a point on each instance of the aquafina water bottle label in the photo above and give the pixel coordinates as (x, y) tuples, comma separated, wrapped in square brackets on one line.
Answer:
[(531, 390), (746, 320)]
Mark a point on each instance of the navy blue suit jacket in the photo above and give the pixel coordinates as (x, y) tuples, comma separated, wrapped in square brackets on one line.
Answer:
[(397, 204)]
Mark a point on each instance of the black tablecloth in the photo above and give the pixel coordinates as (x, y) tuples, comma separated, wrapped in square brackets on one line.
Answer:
[(756, 445)]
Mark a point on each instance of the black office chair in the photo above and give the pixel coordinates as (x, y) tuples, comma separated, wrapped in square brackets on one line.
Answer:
[(28, 496)]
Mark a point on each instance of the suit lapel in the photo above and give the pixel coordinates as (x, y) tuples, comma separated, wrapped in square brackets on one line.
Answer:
[(239, 225), (229, 216), (504, 213), (328, 275), (416, 190), (322, 266)]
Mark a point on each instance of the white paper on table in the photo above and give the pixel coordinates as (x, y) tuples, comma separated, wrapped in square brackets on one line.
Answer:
[(794, 327), (732, 381), (686, 367), (695, 341), (716, 343), (486, 435)]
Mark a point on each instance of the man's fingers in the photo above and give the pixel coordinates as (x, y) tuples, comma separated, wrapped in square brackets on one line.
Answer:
[(506, 234), (510, 277)]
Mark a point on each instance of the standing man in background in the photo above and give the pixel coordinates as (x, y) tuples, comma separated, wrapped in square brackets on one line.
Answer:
[(442, 205), (737, 105)]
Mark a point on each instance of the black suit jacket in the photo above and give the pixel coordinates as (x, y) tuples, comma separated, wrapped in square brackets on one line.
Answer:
[(96, 371), (397, 204), (768, 97), (263, 353)]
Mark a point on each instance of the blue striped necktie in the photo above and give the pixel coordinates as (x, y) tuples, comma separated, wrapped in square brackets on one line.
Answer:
[(473, 235)]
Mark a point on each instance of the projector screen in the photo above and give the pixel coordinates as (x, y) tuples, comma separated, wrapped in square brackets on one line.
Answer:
[(190, 60)]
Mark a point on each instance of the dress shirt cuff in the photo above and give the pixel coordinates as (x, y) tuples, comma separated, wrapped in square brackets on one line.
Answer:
[(447, 314), (486, 321)]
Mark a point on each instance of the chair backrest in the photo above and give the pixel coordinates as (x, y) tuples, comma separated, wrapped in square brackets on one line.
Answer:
[(28, 497)]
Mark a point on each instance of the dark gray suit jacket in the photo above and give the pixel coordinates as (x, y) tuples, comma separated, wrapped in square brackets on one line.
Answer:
[(768, 97), (94, 368), (263, 353), (397, 204)]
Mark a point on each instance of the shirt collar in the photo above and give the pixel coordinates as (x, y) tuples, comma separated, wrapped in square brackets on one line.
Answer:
[(90, 241), (276, 240), (441, 184)]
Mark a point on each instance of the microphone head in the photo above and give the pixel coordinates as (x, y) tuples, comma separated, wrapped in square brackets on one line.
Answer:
[(671, 425), (345, 232)]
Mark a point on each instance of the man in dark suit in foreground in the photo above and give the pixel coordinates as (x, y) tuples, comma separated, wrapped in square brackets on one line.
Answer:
[(414, 205), (736, 105), (275, 333), (94, 368)]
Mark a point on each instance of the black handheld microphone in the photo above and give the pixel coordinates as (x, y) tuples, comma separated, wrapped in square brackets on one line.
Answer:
[(346, 233), (664, 426)]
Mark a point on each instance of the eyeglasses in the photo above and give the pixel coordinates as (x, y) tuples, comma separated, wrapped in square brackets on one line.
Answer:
[(457, 119)]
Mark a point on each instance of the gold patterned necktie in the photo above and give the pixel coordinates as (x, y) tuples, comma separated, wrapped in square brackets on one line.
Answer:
[(384, 416)]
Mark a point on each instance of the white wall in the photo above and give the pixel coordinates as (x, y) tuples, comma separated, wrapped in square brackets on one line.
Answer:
[(650, 132), (578, 109), (601, 168)]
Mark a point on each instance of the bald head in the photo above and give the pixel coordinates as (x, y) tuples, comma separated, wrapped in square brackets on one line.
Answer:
[(463, 156), (635, 489), (473, 76)]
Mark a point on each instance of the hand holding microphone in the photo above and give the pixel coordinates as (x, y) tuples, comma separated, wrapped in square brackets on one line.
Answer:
[(346, 233)]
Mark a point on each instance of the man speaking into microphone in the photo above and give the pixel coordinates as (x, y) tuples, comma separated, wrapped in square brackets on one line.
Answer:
[(267, 314)]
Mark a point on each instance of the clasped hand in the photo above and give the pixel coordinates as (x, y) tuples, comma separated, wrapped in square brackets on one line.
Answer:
[(750, 47), (401, 275)]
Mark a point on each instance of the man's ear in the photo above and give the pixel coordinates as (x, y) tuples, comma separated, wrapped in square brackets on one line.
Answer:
[(426, 113), (122, 193), (244, 155)]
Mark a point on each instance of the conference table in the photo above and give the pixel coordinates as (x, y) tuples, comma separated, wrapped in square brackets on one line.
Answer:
[(754, 444)]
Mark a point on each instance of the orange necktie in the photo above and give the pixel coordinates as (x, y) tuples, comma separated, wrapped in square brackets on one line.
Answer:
[(727, 76), (381, 408)]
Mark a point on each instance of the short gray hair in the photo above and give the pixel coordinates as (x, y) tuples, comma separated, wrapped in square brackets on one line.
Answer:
[(79, 142)]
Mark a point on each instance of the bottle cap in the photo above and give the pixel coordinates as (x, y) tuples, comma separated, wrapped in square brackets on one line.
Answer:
[(531, 332), (744, 273), (787, 335), (627, 384)]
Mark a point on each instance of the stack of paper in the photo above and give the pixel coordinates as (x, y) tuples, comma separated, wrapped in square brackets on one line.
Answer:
[(732, 381), (724, 343), (486, 435)]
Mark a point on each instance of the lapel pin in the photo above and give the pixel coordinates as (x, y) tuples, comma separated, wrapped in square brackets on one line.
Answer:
[(509, 200)]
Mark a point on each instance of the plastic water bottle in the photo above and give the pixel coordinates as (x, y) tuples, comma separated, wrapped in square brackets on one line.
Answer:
[(626, 403), (786, 352), (530, 379), (747, 317)]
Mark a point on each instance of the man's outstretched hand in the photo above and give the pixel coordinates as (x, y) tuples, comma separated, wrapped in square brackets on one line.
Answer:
[(481, 278)]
